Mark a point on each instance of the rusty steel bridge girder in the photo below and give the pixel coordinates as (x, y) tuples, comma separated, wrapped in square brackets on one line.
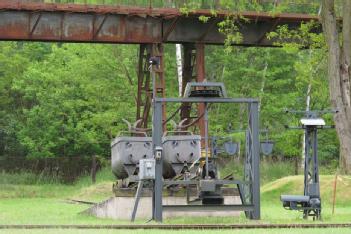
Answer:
[(117, 24)]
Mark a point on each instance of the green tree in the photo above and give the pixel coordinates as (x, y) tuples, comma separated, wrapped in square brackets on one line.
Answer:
[(73, 99)]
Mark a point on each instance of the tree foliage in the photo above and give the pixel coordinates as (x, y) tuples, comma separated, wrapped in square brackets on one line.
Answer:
[(69, 99)]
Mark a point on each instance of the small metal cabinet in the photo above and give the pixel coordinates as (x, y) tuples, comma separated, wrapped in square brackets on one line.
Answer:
[(147, 169)]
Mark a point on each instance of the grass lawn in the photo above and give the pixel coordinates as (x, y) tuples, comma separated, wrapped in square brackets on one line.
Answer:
[(57, 211), (47, 204), (252, 231)]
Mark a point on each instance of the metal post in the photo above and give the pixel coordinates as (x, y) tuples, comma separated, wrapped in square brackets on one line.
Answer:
[(153, 199), (254, 127), (206, 139), (137, 199), (157, 130), (307, 160), (315, 158), (307, 175), (315, 172), (157, 142), (246, 192)]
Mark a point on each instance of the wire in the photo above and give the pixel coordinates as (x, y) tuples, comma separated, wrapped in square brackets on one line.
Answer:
[(197, 119), (172, 116)]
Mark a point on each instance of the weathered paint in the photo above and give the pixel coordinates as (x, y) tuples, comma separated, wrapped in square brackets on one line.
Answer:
[(117, 24)]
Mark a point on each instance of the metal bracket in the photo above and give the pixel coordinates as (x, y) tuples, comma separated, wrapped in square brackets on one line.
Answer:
[(193, 85)]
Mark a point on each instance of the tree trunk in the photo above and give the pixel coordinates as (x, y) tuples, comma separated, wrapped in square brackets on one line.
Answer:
[(339, 57), (263, 84), (308, 103), (179, 68)]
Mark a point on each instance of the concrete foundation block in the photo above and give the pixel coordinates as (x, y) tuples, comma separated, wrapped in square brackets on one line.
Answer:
[(120, 208)]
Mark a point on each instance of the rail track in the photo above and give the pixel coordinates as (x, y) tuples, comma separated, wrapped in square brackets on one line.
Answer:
[(182, 227)]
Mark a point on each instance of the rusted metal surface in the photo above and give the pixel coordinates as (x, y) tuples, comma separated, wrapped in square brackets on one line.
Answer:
[(129, 10), (149, 27), (117, 24), (144, 93), (188, 68), (200, 77), (193, 69), (160, 79)]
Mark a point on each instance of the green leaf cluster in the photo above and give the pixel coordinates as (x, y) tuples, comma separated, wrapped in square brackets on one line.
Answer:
[(69, 99)]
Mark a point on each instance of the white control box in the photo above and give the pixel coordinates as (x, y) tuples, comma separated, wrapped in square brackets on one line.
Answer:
[(147, 169)]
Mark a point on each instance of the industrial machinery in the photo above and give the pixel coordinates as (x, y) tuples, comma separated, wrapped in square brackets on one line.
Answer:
[(181, 159), (127, 150), (209, 184), (181, 153), (310, 202)]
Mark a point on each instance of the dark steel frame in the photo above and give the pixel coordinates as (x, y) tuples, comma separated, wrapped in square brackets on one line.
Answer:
[(311, 173), (250, 187)]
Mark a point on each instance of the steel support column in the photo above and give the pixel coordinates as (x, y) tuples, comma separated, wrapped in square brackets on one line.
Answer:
[(251, 192), (307, 176), (311, 174), (254, 128), (157, 143), (247, 192)]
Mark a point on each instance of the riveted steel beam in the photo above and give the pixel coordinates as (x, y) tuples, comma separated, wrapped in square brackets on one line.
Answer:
[(117, 24)]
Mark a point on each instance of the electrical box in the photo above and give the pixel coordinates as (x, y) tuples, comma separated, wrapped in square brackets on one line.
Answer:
[(207, 185), (147, 169)]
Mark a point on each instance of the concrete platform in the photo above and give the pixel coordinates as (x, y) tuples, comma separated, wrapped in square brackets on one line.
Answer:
[(121, 208)]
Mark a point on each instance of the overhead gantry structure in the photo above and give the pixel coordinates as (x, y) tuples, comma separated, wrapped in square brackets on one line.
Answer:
[(149, 27)]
